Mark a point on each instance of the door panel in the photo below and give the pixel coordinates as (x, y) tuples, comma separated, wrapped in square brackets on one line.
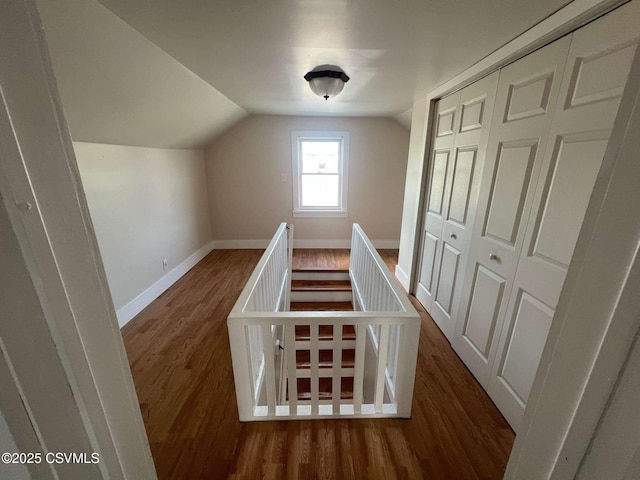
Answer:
[(526, 337), (472, 112), (447, 277), (575, 162), (529, 97), (509, 188), (461, 188), (525, 100), (447, 120), (600, 76), (429, 246), (475, 105), (596, 70), (440, 166), (482, 318)]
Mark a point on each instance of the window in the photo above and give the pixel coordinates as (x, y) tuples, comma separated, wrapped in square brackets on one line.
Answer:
[(320, 173)]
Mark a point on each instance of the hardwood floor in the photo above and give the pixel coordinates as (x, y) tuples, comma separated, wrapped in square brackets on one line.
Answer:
[(178, 349)]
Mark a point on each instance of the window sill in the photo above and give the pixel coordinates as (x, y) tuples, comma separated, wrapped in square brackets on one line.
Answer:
[(321, 213)]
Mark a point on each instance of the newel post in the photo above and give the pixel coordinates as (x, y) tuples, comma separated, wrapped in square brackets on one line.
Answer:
[(241, 370)]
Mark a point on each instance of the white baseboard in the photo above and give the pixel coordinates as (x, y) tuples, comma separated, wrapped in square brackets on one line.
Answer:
[(301, 243), (135, 306), (402, 277)]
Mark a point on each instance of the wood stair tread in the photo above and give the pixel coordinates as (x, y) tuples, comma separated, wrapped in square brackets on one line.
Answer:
[(325, 357), (325, 387), (321, 307), (325, 332), (320, 270), (320, 286)]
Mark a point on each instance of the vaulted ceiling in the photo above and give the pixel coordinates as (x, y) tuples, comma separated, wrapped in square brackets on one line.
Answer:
[(174, 74)]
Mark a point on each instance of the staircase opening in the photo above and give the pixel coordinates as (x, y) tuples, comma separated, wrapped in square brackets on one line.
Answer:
[(323, 342)]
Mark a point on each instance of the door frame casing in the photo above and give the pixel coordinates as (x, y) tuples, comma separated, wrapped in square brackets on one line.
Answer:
[(41, 190)]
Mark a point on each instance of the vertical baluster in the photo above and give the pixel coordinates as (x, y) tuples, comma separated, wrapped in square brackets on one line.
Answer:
[(278, 275), (269, 290), (363, 266), (372, 282), (366, 277), (365, 280), (315, 362), (277, 281), (265, 289), (374, 285), (383, 344), (259, 299), (256, 355), (391, 352), (367, 283), (396, 351), (337, 367), (355, 261), (358, 374), (379, 292), (273, 287), (355, 254), (267, 286), (289, 266), (269, 369), (384, 297), (359, 260), (290, 352), (389, 301), (265, 294)]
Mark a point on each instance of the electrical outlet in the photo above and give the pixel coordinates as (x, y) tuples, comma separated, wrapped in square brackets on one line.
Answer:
[(165, 264)]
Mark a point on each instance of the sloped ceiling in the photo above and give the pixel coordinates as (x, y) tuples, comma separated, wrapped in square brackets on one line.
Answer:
[(256, 52), (174, 74), (118, 87)]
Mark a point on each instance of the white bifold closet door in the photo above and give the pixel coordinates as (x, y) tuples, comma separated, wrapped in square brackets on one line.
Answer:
[(553, 117), (527, 94), (594, 77), (460, 136)]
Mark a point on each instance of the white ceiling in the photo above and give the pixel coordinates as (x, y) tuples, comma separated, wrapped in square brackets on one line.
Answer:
[(255, 52), (174, 74)]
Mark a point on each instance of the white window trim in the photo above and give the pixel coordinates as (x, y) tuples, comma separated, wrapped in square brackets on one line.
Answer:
[(300, 211)]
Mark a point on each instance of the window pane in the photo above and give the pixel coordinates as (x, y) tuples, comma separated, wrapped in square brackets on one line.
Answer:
[(320, 156), (320, 190)]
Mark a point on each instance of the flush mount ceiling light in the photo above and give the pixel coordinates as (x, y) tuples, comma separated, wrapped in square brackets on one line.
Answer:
[(326, 80)]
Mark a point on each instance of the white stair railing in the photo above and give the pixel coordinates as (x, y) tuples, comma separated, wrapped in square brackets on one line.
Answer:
[(386, 329)]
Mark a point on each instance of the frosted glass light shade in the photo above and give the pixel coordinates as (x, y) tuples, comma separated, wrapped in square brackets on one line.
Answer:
[(326, 83), (326, 87)]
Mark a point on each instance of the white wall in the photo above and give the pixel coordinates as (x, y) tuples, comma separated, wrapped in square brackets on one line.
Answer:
[(248, 198), (146, 204)]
